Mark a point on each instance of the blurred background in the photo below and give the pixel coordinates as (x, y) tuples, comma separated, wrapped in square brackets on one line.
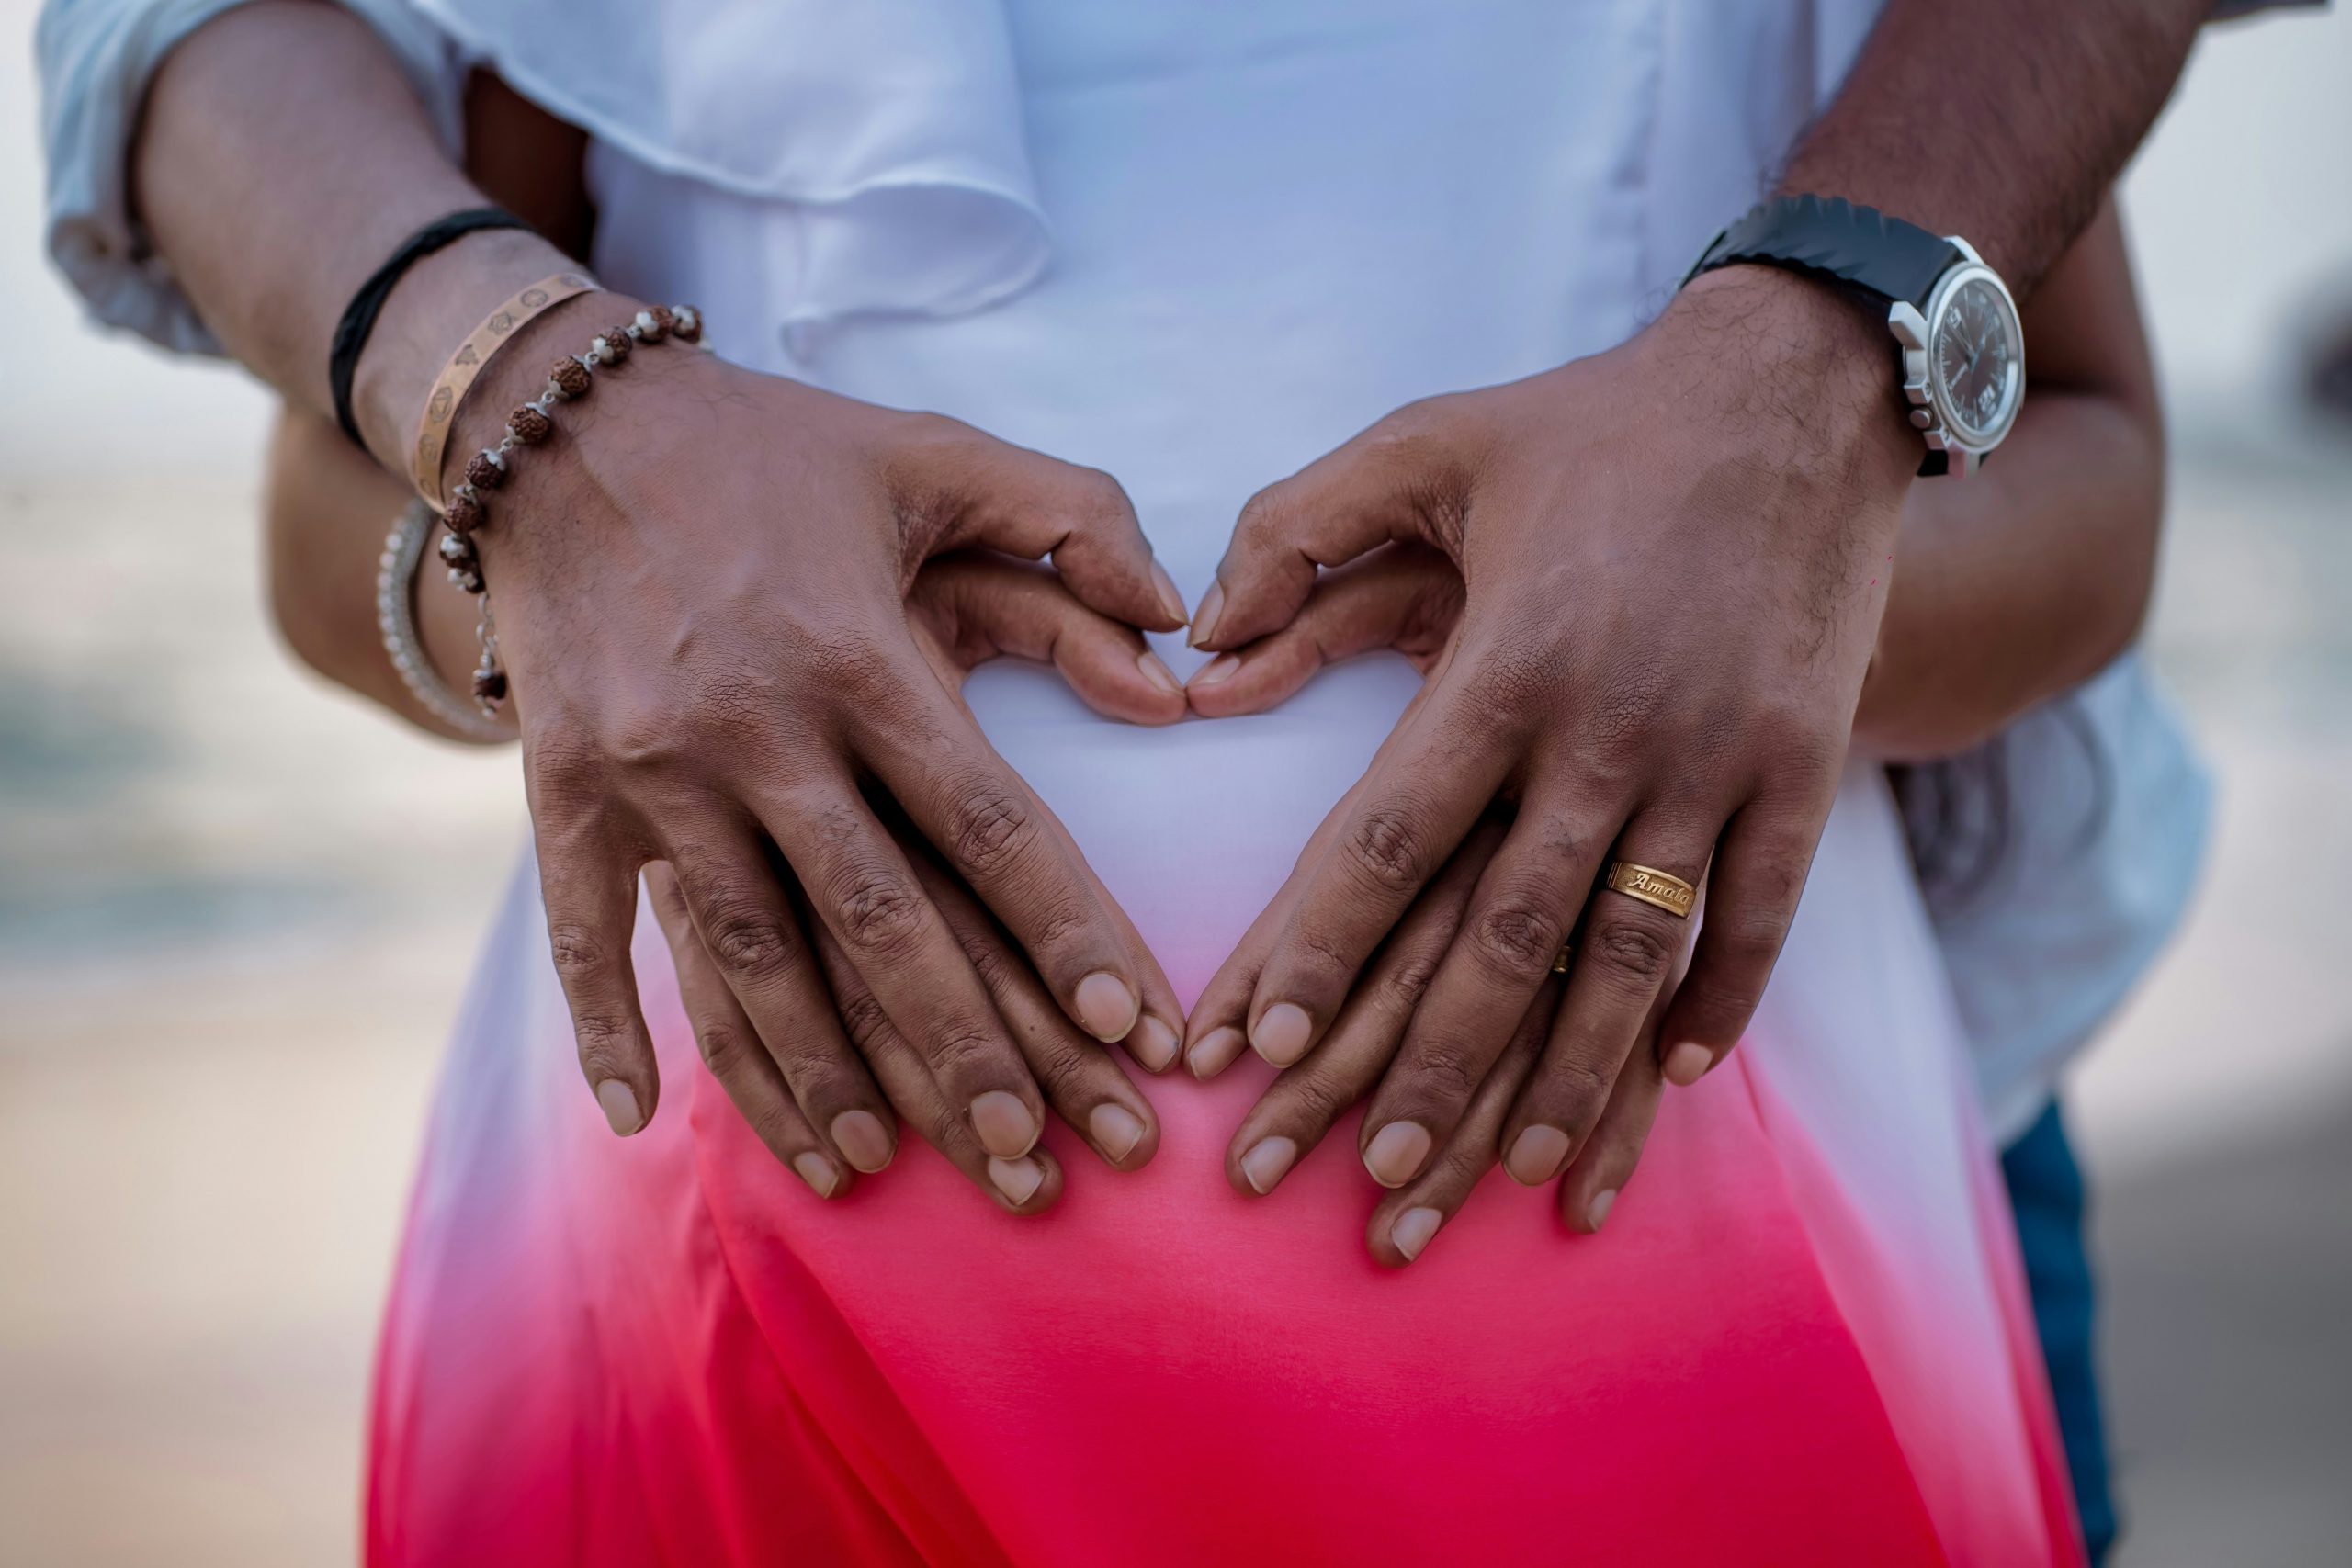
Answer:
[(236, 910)]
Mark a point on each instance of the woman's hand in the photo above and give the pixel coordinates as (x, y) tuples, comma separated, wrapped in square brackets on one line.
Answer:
[(702, 591), (1406, 598), (1671, 585), (965, 609)]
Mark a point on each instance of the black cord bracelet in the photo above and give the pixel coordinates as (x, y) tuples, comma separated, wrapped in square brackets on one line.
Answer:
[(359, 316)]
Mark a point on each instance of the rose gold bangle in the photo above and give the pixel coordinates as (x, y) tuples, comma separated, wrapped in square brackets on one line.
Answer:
[(457, 375)]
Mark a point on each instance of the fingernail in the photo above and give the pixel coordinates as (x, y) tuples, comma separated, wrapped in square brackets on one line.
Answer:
[(1153, 1044), (1598, 1209), (1280, 1033), (1205, 618), (620, 1102), (1003, 1124), (862, 1139), (1221, 667), (1687, 1064), (1268, 1161), (1106, 1006), (1536, 1156), (1158, 673), (1018, 1179), (1413, 1229), (1214, 1051), (1395, 1155), (818, 1172), (1169, 600), (1116, 1130)]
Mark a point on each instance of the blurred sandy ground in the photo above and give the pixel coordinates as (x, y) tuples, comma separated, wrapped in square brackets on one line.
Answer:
[(235, 911)]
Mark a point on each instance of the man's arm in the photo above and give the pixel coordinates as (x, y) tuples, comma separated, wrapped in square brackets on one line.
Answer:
[(1718, 501), (2003, 121), (2029, 579)]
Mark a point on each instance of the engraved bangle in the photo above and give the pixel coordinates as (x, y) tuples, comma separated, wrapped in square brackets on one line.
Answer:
[(396, 575)]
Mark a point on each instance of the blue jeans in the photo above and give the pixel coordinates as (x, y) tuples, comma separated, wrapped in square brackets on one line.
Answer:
[(2046, 1193)]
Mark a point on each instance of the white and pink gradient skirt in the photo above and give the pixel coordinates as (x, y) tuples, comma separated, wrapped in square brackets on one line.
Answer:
[(1801, 1338)]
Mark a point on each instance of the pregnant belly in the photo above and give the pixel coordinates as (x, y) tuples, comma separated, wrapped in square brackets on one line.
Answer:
[(1163, 1370), (1193, 828), (666, 1348)]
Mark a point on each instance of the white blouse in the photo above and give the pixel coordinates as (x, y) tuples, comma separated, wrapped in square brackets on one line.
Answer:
[(1010, 208)]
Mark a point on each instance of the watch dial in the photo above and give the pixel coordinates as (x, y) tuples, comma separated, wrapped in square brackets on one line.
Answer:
[(1977, 359)]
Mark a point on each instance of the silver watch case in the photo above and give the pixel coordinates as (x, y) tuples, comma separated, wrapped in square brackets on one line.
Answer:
[(1915, 330)]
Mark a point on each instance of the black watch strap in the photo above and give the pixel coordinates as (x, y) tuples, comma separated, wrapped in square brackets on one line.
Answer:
[(1832, 237)]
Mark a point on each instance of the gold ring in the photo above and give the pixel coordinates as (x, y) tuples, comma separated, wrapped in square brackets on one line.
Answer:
[(1560, 959), (1659, 889)]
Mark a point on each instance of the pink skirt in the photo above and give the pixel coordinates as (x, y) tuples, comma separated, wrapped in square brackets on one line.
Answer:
[(667, 1351)]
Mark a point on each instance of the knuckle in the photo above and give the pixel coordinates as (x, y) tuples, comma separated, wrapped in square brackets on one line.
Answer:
[(747, 941), (1059, 1061), (720, 1046), (1748, 942), (844, 660), (986, 957), (1096, 499), (722, 707), (577, 950), (643, 740), (960, 1050), (1505, 690), (1387, 845), (1322, 955), (1314, 1099), (563, 771), (1265, 517), (1445, 1070), (1416, 438), (1714, 1011), (923, 427), (1634, 948), (1408, 977), (603, 1040), (1518, 935), (989, 828), (862, 1020), (1578, 1089), (1056, 928), (881, 915)]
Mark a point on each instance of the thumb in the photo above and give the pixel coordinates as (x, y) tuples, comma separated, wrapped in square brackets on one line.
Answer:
[(1027, 504), (1408, 597), (981, 607), (1381, 487)]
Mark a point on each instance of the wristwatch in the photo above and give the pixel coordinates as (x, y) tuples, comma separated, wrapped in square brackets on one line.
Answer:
[(1964, 353)]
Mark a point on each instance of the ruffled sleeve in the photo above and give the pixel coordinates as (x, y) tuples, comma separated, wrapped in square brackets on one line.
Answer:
[(881, 142)]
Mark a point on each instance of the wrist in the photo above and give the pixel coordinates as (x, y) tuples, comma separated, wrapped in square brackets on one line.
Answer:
[(441, 300), (602, 448), (1819, 378)]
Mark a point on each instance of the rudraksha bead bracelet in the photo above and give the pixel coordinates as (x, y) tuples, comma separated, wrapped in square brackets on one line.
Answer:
[(467, 510)]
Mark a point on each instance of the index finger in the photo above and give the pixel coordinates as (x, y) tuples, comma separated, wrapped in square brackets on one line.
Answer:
[(1010, 849), (1413, 808)]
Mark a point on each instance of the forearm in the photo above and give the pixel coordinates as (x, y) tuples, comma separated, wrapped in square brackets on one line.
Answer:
[(280, 158), (326, 510), (2018, 585), (2004, 121)]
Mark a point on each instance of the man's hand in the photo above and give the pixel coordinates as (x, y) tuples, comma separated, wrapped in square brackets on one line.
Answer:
[(702, 591), (1673, 558)]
